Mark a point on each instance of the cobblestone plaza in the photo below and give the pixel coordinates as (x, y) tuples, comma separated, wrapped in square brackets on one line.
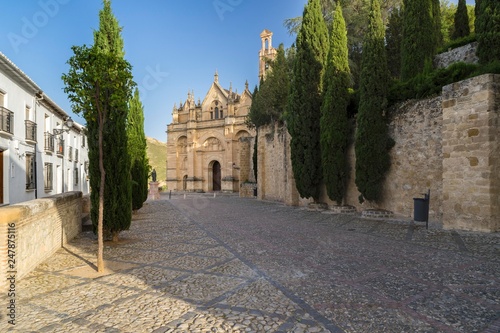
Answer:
[(199, 263)]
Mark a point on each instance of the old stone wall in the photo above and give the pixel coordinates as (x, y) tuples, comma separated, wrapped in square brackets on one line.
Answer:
[(466, 53), (448, 144), (275, 180), (416, 160), (247, 190), (471, 154), (39, 228)]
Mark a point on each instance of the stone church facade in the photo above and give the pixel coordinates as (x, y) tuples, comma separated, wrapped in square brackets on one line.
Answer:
[(209, 146), (205, 139)]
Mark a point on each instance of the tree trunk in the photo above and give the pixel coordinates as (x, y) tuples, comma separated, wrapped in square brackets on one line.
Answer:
[(100, 242)]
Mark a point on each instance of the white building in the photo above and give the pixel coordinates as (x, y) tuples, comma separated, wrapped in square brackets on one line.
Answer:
[(40, 155)]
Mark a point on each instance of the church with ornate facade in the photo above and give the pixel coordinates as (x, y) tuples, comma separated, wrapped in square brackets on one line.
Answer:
[(209, 146)]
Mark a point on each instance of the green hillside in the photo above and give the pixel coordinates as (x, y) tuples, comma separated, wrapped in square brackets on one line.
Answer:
[(157, 154)]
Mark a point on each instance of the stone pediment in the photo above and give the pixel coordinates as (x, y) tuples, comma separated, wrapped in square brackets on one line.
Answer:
[(216, 92)]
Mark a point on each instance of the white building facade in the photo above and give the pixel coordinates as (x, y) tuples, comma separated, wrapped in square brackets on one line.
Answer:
[(40, 155)]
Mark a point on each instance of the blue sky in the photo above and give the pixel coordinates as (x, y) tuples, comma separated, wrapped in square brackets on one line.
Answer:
[(173, 46)]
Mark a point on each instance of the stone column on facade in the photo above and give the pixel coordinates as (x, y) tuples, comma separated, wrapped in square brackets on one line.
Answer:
[(227, 167), (471, 154), (191, 155)]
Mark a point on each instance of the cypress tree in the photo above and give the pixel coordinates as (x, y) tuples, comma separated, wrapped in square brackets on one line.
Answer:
[(461, 22), (257, 116), (487, 27), (436, 33), (372, 141), (304, 103), (137, 151), (394, 37), (99, 85), (118, 185), (270, 100), (419, 37), (334, 122)]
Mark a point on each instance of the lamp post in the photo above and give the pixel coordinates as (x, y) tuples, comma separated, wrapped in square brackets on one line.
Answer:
[(68, 123)]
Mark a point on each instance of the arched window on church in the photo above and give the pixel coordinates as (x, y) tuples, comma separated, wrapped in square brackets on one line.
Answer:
[(216, 113)]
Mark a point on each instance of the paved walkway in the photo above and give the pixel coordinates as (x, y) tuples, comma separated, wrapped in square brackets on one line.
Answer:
[(225, 264)]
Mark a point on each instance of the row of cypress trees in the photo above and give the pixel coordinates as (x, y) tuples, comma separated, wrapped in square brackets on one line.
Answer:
[(318, 93), (487, 26), (317, 110)]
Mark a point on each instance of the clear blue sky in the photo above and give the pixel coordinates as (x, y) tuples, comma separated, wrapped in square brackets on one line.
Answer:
[(173, 46)]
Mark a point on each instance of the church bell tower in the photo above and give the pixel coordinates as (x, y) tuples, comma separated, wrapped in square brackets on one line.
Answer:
[(266, 54)]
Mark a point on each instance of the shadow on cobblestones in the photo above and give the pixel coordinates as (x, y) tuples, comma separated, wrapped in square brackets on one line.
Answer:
[(199, 263)]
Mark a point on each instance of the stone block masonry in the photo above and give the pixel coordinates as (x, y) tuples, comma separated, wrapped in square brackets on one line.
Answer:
[(466, 53), (471, 154), (449, 144), (41, 227)]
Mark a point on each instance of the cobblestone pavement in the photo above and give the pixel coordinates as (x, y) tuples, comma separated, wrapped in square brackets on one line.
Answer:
[(225, 264)]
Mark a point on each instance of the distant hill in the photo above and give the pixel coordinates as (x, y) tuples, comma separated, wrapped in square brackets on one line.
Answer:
[(157, 154)]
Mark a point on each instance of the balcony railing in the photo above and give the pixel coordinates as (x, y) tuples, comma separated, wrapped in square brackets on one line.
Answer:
[(30, 130), (70, 153), (49, 142), (60, 147), (6, 120)]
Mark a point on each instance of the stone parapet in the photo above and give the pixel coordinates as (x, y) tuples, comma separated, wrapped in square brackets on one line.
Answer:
[(36, 230)]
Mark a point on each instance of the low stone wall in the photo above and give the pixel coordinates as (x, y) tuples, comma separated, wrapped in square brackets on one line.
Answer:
[(35, 230), (247, 190), (466, 53)]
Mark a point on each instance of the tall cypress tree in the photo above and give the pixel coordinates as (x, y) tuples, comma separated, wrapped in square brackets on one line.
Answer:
[(394, 37), (270, 100), (372, 141), (304, 103), (437, 33), (487, 27), (419, 37), (118, 185), (461, 22), (334, 122), (99, 85), (137, 151)]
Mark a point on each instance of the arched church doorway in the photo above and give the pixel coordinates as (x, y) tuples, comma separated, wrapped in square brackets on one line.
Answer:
[(216, 176), (184, 182)]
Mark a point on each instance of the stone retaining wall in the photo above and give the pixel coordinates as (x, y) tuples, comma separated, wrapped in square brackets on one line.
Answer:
[(447, 144), (40, 227), (466, 53), (471, 154)]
